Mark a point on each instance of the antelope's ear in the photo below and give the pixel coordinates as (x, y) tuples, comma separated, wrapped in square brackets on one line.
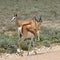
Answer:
[(35, 18)]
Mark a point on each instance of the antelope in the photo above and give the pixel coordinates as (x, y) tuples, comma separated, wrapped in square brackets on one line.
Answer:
[(35, 24), (27, 26)]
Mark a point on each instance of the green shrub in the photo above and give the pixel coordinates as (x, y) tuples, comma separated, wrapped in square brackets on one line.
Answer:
[(50, 34), (25, 45), (8, 44)]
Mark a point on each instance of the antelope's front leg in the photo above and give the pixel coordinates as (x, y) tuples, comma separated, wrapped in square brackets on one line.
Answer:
[(38, 33)]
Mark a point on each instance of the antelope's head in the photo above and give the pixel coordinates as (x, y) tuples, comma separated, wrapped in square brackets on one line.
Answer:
[(14, 17), (38, 19)]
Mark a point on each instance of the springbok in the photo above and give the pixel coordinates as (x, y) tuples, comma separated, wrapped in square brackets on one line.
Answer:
[(25, 26), (33, 24)]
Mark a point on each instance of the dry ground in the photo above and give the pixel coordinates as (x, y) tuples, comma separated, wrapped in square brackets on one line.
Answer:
[(52, 54)]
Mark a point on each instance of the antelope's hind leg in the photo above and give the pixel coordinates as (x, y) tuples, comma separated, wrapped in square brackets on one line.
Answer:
[(34, 45), (29, 47), (19, 50)]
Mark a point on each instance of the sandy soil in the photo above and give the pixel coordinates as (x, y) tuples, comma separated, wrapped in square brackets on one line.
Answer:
[(43, 54)]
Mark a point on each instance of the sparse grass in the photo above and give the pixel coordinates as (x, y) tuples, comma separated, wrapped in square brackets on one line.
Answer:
[(48, 9)]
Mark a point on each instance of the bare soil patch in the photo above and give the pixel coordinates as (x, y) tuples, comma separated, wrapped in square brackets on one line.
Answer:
[(52, 54)]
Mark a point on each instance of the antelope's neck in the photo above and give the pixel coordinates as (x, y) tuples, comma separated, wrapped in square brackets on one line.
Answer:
[(18, 23)]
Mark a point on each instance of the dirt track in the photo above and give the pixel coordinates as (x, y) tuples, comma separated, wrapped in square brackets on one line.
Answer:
[(52, 54)]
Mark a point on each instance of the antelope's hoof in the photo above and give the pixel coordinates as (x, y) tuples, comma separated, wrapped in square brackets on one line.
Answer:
[(28, 54), (35, 52), (20, 54)]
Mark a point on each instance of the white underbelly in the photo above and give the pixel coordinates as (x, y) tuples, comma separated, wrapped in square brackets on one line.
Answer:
[(19, 29)]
